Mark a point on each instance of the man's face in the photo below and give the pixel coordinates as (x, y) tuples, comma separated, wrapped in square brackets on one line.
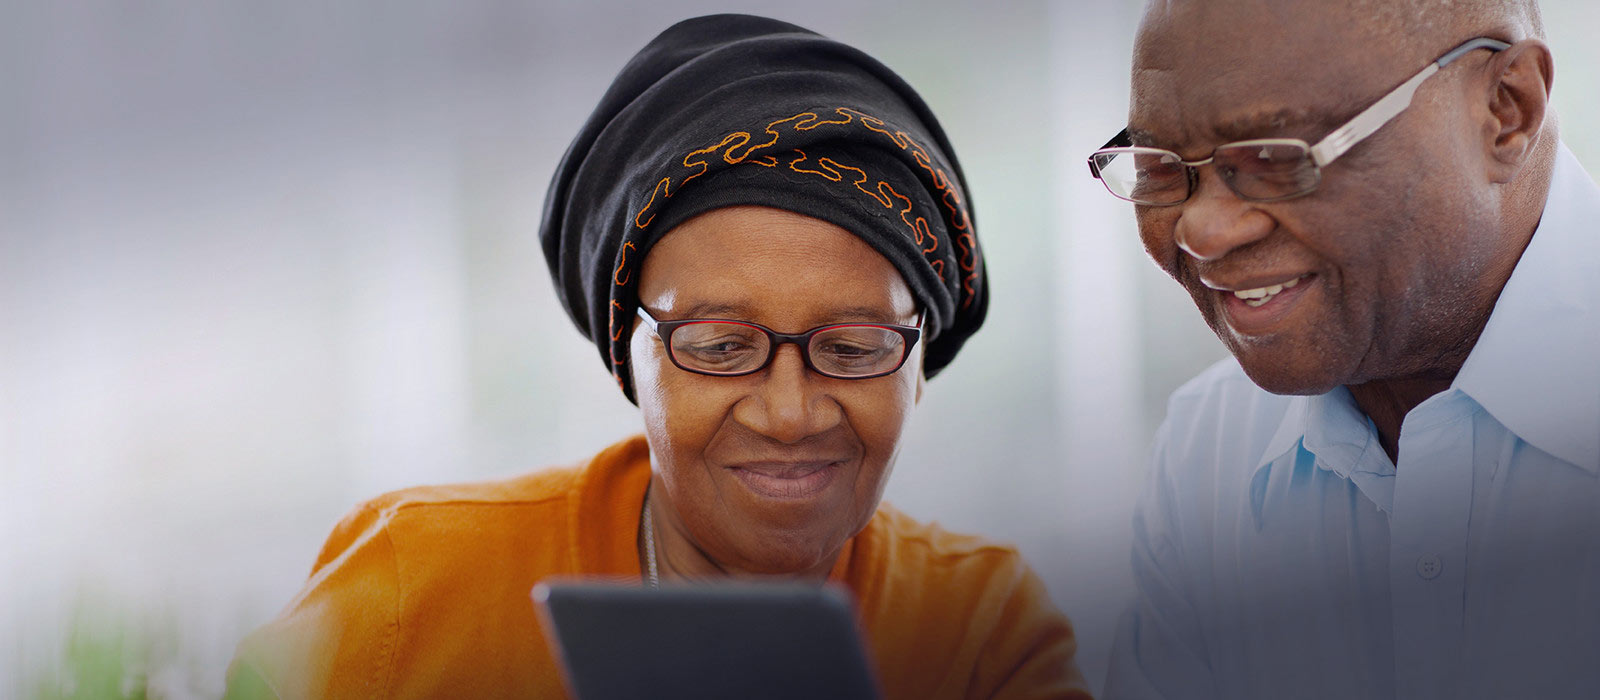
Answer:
[(771, 472), (1377, 272)]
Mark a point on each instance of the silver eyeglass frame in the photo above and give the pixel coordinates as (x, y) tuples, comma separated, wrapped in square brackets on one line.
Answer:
[(1325, 151)]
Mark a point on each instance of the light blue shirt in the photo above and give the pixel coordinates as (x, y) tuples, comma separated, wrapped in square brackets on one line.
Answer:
[(1278, 553)]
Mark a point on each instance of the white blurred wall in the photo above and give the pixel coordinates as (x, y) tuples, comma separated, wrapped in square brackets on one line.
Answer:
[(258, 263)]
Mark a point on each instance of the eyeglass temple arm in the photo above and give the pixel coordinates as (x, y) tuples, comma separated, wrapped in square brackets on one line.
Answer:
[(646, 317), (1373, 118), (1121, 139)]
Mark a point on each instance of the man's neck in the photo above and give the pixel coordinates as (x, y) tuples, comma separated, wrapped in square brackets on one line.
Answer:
[(1388, 401)]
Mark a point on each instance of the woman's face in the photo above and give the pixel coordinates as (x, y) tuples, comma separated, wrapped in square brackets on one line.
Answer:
[(771, 472)]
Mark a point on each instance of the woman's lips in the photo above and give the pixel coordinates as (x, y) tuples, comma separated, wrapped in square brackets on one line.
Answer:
[(787, 480)]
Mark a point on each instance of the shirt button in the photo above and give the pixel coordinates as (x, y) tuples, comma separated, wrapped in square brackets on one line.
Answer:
[(1429, 566)]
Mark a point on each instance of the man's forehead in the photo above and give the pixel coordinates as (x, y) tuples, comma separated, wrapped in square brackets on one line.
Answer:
[(1245, 121), (1362, 16), (1249, 34), (1249, 68)]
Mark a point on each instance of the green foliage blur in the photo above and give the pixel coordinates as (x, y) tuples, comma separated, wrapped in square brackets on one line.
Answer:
[(105, 657)]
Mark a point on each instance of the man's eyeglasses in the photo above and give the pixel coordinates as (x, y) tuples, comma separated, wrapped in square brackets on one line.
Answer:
[(1258, 170), (723, 348)]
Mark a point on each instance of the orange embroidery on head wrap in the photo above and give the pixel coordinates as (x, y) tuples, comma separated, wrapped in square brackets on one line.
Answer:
[(833, 171), (812, 121), (829, 175), (664, 187), (621, 265), (611, 322), (872, 123), (771, 129)]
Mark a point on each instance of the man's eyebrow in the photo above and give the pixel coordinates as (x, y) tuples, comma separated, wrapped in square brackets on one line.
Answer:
[(1140, 137), (1286, 122), (1283, 123)]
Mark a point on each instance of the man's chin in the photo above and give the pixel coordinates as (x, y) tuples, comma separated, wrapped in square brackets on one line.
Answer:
[(1288, 379)]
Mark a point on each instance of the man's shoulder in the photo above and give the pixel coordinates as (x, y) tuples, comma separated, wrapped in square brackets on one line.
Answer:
[(1219, 425), (1224, 394)]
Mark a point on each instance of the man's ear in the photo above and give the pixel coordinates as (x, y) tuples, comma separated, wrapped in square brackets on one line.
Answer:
[(1518, 98)]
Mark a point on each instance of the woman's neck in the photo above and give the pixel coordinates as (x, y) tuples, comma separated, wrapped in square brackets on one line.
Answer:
[(679, 558)]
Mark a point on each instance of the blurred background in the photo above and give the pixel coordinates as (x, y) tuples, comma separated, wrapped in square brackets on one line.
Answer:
[(262, 261)]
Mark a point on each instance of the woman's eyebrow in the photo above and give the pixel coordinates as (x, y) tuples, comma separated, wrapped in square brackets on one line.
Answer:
[(714, 309), (861, 313), (739, 311)]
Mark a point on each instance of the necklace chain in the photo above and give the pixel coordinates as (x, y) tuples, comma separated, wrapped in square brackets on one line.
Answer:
[(652, 575)]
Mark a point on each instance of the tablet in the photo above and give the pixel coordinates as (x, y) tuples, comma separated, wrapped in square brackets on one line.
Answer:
[(746, 640)]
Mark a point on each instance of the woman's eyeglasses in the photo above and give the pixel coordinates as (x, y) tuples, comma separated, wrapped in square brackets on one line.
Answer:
[(724, 348), (1259, 170)]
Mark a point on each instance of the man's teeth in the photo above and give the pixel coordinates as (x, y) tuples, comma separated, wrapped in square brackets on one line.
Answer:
[(1261, 295)]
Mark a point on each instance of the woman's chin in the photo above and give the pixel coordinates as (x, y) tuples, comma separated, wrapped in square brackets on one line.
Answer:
[(788, 556)]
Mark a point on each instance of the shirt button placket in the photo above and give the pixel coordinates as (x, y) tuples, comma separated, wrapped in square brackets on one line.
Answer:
[(1429, 566), (1428, 533)]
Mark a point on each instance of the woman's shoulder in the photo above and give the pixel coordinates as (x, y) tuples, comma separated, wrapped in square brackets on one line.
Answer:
[(905, 536), (535, 504), (899, 555), (528, 488), (532, 488), (932, 598), (419, 567)]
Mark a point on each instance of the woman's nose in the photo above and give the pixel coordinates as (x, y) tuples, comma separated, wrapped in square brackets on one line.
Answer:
[(788, 403)]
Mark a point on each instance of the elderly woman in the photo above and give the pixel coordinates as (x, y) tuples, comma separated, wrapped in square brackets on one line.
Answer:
[(766, 234)]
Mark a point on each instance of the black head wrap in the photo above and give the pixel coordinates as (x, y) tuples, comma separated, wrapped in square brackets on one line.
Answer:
[(737, 110)]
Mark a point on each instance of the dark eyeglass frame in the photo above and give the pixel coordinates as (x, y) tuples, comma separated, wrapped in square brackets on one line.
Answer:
[(664, 330), (1317, 156)]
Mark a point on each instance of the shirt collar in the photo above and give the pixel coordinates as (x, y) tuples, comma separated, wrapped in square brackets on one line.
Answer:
[(1328, 432), (1534, 367), (1329, 426), (1286, 440), (1291, 430)]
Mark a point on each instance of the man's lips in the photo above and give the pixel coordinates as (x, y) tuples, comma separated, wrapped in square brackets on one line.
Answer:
[(1253, 306), (787, 480), (1254, 286)]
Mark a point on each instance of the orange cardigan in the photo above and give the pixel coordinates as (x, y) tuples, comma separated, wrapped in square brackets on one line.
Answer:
[(425, 593)]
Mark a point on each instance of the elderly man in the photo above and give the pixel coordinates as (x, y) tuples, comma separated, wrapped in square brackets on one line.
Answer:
[(1393, 488)]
